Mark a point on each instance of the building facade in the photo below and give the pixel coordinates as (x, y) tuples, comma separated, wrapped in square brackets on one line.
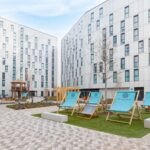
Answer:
[(121, 29), (27, 54)]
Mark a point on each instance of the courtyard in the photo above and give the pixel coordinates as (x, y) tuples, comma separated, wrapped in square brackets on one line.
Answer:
[(21, 131)]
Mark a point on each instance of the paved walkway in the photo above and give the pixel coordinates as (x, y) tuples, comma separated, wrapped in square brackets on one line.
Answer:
[(21, 131)]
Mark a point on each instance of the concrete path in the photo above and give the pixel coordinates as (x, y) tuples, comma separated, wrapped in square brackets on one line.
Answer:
[(21, 131)]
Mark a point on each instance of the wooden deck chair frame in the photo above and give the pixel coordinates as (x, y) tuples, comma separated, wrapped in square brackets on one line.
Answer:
[(73, 108), (90, 116), (127, 115)]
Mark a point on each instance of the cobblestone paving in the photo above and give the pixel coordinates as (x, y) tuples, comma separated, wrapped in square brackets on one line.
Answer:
[(20, 131)]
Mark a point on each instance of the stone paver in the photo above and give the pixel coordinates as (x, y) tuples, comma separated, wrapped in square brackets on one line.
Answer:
[(21, 131)]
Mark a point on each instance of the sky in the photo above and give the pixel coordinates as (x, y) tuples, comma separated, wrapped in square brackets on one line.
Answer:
[(55, 17)]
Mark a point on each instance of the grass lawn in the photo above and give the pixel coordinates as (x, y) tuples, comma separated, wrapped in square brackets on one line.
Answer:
[(136, 130)]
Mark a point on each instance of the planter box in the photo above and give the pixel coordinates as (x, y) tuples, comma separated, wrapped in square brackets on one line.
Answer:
[(54, 117)]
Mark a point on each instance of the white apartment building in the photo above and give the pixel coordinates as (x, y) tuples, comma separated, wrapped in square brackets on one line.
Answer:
[(122, 28), (27, 54)]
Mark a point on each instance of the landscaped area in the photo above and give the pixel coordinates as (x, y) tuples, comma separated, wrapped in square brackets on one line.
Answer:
[(30, 105), (136, 130)]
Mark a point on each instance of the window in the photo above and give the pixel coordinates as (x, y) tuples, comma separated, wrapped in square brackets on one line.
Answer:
[(111, 30), (111, 65), (127, 75), (135, 21), (98, 24), (111, 19), (115, 40), (127, 50), (92, 16), (104, 77), (95, 79), (122, 39), (149, 44), (122, 63), (149, 59), (148, 16), (89, 38), (1, 24), (136, 74), (89, 28), (141, 46), (126, 12), (6, 68), (95, 68), (101, 12), (136, 34), (3, 61), (100, 67), (35, 84), (92, 52), (111, 53), (122, 26), (136, 61), (3, 79), (114, 77)]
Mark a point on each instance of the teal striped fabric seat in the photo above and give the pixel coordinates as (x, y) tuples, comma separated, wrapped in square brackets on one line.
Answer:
[(95, 98), (123, 102), (71, 99), (24, 94), (146, 101)]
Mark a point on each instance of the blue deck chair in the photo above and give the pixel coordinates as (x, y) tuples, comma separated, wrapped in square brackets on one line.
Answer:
[(125, 102), (24, 94), (146, 100), (92, 105), (70, 101)]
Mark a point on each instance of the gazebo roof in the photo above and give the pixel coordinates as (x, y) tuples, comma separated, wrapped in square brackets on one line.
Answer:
[(18, 81)]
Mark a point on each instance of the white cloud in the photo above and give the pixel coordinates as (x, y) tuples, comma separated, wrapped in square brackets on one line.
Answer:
[(45, 7)]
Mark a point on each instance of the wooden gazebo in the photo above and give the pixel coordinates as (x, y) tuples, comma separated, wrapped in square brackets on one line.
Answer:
[(17, 87)]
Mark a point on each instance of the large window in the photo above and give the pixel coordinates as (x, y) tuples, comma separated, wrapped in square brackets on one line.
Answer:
[(122, 63), (141, 46), (114, 77), (92, 16), (148, 16), (100, 67), (122, 38), (98, 24), (95, 79), (111, 19), (101, 12), (92, 52), (3, 79), (126, 12), (89, 28), (111, 65), (111, 30), (95, 68), (127, 76), (122, 26), (135, 21), (115, 40), (136, 34), (136, 74), (136, 61), (127, 50)]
